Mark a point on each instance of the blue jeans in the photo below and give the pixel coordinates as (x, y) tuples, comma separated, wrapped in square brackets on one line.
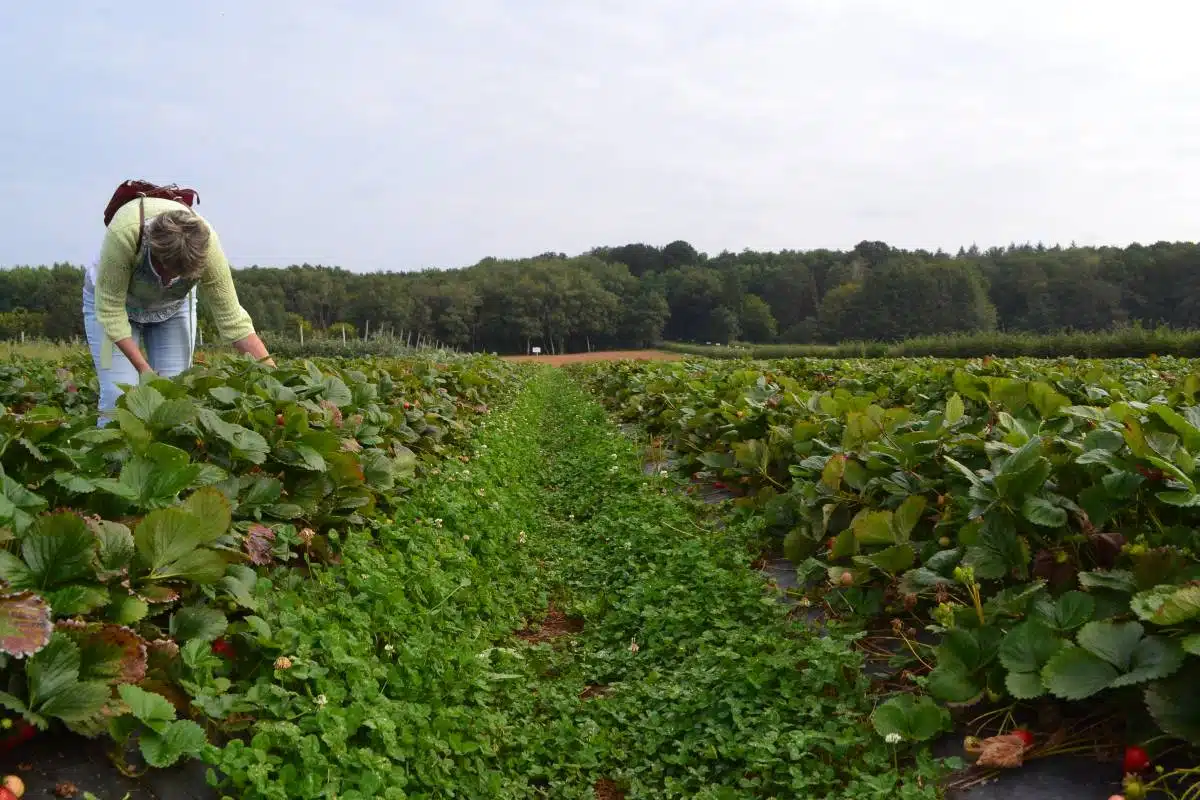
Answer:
[(168, 344)]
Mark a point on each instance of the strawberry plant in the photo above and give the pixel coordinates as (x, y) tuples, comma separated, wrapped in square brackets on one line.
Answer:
[(133, 600), (1039, 517)]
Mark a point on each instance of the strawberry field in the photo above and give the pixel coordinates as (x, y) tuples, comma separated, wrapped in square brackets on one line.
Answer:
[(451, 576), (1020, 539)]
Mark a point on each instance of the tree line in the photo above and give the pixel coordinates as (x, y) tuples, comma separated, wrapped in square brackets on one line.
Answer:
[(638, 294)]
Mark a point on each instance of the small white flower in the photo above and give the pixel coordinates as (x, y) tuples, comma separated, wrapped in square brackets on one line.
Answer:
[(466, 537), (521, 537), (387, 648), (633, 646), (321, 700), (893, 738), (662, 473), (437, 523)]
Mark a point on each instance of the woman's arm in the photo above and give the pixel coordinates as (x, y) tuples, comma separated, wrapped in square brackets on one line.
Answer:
[(233, 323), (134, 353), (254, 347), (113, 272)]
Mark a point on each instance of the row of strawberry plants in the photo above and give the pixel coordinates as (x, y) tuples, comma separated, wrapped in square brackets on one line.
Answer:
[(165, 520), (1040, 518)]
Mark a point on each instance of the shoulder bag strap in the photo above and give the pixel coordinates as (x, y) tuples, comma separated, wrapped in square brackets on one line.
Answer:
[(141, 224)]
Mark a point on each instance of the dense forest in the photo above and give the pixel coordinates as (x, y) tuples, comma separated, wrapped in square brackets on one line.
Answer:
[(638, 294)]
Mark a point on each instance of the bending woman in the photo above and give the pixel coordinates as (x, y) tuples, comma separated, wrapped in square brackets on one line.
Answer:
[(142, 291)]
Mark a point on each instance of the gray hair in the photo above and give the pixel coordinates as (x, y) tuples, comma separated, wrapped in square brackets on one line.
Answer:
[(178, 241)]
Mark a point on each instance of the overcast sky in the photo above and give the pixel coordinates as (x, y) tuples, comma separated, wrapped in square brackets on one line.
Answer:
[(405, 134)]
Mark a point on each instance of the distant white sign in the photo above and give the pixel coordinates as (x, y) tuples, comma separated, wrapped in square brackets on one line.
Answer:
[(537, 351)]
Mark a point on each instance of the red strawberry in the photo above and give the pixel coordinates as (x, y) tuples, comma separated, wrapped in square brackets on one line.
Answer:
[(223, 648), (1025, 736), (1136, 759)]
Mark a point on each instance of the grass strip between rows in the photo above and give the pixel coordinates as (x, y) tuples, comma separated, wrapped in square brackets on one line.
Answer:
[(400, 674)]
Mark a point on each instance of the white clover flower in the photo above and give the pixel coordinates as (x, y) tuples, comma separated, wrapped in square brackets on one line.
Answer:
[(662, 473), (387, 648), (893, 738), (521, 537), (321, 700)]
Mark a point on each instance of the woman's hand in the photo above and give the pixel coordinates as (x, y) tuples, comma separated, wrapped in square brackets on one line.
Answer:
[(254, 347)]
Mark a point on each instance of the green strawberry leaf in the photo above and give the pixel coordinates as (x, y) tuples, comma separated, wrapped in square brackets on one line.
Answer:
[(907, 516), (1167, 605), (244, 444), (1024, 685), (142, 402), (77, 599), (954, 409), (951, 683), (1115, 642), (115, 548), (1117, 580), (57, 550), (151, 709), (1027, 647), (873, 528), (211, 510), (180, 738), (198, 622), (1074, 674), (125, 609), (1175, 706), (1154, 658), (1042, 512), (914, 719), (79, 701)]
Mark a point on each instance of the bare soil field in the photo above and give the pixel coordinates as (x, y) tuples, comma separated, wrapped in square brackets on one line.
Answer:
[(602, 355)]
